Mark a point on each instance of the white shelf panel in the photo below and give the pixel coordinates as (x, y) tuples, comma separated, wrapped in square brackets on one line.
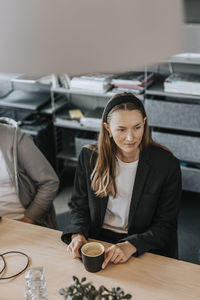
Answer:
[(50, 109), (157, 90), (90, 93), (73, 124), (83, 92)]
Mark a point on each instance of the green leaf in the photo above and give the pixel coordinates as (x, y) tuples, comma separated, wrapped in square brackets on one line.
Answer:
[(88, 284), (92, 295), (105, 295), (70, 288), (62, 291), (80, 290), (75, 279), (119, 291), (101, 289), (127, 296)]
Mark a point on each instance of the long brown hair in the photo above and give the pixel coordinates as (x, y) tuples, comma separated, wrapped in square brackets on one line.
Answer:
[(103, 174)]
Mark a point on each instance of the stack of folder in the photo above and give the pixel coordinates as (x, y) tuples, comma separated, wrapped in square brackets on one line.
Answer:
[(183, 83), (92, 82), (134, 82)]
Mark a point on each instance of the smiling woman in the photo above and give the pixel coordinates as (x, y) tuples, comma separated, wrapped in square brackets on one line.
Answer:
[(127, 188)]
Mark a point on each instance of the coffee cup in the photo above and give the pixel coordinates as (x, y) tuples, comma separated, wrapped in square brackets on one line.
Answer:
[(92, 256)]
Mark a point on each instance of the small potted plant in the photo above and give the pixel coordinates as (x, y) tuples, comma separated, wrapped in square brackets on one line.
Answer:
[(82, 290)]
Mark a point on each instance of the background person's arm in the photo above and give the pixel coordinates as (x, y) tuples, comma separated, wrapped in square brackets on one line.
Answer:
[(34, 166)]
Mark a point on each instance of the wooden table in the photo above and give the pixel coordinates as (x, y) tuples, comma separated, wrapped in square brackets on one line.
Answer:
[(149, 277)]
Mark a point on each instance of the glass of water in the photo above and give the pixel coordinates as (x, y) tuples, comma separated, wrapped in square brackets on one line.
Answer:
[(35, 284)]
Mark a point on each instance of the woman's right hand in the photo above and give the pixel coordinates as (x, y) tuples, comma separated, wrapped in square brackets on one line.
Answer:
[(77, 241)]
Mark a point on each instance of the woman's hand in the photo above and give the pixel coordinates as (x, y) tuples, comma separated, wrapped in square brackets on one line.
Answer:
[(118, 253), (77, 241)]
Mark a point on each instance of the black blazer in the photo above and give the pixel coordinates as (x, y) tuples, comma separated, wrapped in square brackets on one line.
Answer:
[(152, 224)]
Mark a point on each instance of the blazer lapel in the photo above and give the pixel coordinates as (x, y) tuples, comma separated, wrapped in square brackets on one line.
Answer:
[(140, 179), (103, 206)]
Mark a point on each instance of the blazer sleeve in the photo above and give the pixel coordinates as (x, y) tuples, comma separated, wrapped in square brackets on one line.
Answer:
[(79, 220), (164, 223), (36, 167)]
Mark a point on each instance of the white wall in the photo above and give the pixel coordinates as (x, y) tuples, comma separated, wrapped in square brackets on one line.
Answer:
[(76, 36)]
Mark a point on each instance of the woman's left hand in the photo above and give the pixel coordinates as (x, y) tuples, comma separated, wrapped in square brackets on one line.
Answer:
[(118, 253)]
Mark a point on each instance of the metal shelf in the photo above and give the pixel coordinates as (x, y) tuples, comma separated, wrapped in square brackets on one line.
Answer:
[(59, 122), (83, 92), (157, 90), (50, 109), (188, 60), (90, 93)]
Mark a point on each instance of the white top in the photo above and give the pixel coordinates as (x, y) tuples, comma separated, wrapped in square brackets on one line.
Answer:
[(117, 212), (10, 205)]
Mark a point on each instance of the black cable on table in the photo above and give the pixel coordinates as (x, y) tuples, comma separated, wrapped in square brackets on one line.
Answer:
[(5, 264)]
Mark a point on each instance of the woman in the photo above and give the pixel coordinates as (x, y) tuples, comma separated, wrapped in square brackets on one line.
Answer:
[(127, 188)]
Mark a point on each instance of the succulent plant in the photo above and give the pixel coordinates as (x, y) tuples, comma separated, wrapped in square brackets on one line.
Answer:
[(80, 289)]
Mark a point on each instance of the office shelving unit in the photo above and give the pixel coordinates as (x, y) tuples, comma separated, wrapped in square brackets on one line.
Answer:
[(174, 120), (67, 130), (82, 92), (157, 90)]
